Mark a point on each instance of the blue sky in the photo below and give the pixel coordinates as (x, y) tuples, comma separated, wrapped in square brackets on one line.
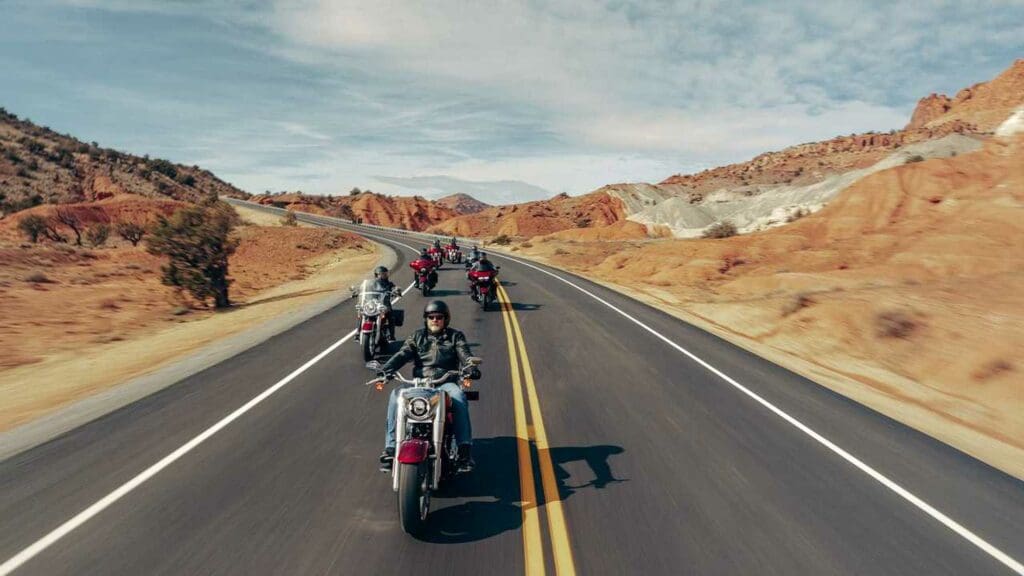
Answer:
[(413, 97)]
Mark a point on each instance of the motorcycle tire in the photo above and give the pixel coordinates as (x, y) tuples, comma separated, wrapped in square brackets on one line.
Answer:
[(425, 289), (367, 346), (413, 501)]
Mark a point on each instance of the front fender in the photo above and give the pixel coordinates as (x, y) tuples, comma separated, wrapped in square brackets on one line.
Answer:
[(413, 451)]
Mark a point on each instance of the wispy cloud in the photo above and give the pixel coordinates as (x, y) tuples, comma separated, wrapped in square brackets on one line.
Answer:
[(323, 95)]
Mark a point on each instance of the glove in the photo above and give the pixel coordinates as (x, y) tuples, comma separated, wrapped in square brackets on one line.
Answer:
[(473, 373)]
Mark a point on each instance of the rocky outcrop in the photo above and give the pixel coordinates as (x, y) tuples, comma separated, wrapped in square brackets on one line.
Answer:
[(463, 203), (984, 105)]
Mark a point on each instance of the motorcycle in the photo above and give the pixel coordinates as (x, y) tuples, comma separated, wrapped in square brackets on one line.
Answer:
[(374, 321), (438, 256), (425, 276), (453, 254), (482, 286), (427, 454)]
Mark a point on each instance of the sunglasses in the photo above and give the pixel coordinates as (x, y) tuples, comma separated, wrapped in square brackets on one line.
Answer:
[(435, 316)]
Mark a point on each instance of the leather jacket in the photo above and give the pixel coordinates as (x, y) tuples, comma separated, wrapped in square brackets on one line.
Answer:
[(385, 286), (433, 354)]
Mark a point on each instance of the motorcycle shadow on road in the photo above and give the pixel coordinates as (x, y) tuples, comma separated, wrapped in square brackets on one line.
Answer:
[(444, 293), (486, 503)]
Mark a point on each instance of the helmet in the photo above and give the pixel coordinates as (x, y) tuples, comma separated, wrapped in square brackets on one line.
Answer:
[(435, 307), (380, 272), (423, 253)]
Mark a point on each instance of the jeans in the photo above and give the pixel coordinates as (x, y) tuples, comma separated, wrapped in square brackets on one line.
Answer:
[(460, 410)]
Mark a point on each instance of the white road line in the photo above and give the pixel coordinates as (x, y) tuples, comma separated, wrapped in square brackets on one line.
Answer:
[(85, 515), (946, 521)]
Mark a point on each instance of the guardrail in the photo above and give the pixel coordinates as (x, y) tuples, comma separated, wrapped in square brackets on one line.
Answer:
[(331, 220)]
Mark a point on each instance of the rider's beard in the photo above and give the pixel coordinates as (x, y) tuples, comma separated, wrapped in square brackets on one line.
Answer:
[(435, 327)]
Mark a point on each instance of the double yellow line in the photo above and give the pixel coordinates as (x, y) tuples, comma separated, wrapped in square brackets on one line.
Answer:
[(534, 432)]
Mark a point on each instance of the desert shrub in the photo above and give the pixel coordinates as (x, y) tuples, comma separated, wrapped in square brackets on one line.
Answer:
[(723, 229), (913, 159), (130, 231), (164, 167), (583, 222), (38, 278), (355, 192), (895, 324), (526, 245), (98, 234), (187, 179), (290, 219), (502, 240), (561, 251), (33, 226), (197, 241), (69, 218)]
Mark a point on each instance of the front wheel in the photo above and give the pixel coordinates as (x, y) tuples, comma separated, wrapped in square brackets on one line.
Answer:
[(425, 289), (413, 500), (366, 345)]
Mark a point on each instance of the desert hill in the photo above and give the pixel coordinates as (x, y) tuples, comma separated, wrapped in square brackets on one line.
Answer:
[(408, 212), (463, 203), (904, 292), (538, 217), (40, 166), (984, 105)]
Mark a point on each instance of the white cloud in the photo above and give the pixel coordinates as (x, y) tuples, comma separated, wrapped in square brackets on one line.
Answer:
[(569, 94)]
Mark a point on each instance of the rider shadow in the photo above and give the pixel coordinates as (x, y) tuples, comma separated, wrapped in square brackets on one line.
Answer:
[(521, 307), (497, 477), (596, 458)]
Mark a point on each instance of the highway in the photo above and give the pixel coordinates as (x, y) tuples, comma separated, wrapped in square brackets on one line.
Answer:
[(610, 438)]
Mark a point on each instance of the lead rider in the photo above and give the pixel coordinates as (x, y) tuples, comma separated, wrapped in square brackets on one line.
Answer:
[(436, 348)]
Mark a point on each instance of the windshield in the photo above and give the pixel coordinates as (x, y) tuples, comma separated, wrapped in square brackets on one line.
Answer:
[(368, 293)]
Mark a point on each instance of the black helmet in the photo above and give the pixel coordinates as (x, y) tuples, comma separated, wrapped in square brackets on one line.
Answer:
[(436, 307), (423, 252), (379, 270)]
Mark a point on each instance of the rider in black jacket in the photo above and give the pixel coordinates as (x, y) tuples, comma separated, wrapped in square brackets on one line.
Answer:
[(381, 283), (435, 349)]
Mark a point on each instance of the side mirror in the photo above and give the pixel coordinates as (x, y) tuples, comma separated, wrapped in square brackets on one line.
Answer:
[(474, 360), (497, 267)]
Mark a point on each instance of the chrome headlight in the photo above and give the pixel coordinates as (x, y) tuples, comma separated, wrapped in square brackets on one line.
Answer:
[(421, 408), (370, 308)]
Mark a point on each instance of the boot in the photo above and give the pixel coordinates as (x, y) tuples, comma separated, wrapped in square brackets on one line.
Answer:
[(387, 459), (465, 463)]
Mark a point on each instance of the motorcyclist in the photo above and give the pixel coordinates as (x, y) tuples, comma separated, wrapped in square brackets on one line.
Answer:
[(482, 264), (425, 261), (435, 349), (437, 244), (473, 256), (387, 288)]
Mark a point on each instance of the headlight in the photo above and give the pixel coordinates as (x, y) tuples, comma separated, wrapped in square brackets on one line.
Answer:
[(419, 407), (370, 308)]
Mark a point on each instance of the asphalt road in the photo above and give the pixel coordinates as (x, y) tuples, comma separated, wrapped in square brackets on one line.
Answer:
[(643, 459)]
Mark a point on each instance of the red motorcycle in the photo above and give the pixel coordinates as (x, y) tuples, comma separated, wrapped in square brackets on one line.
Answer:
[(453, 254), (437, 255), (426, 277), (482, 286)]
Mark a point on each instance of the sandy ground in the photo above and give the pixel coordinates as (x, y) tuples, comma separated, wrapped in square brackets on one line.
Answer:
[(906, 294), (122, 323)]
